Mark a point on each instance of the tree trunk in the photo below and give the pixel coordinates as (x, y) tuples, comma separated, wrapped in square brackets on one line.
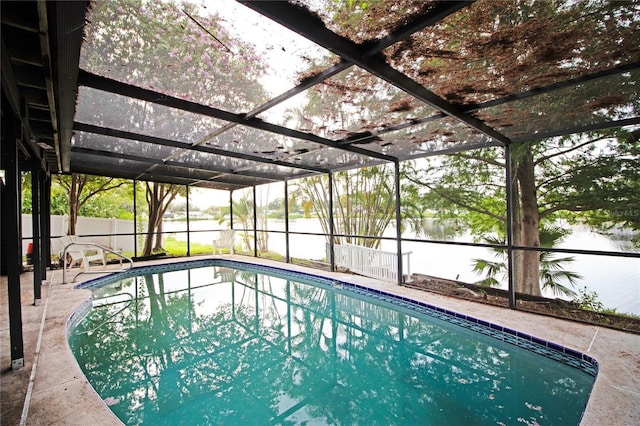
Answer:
[(528, 265), (516, 234), (152, 198), (73, 217), (158, 244), (73, 206), (159, 197), (148, 240), (263, 237)]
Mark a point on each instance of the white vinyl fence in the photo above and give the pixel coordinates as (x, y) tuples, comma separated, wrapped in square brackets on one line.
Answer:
[(382, 265), (107, 228)]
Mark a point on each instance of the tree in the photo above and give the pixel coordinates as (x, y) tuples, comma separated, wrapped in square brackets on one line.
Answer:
[(26, 193), (80, 188), (159, 196), (364, 203), (553, 275), (590, 177), (262, 217), (606, 186), (243, 212)]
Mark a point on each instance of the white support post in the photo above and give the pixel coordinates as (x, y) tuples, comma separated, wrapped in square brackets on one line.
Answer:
[(65, 225), (112, 234)]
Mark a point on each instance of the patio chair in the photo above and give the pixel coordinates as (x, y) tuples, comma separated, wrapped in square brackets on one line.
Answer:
[(225, 240), (80, 253)]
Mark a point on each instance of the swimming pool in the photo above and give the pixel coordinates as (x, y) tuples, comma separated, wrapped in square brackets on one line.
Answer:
[(224, 342)]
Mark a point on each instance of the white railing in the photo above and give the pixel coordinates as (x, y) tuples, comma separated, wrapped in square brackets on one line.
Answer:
[(382, 265)]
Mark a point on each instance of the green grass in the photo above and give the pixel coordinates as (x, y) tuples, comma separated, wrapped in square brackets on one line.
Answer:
[(271, 255), (179, 248)]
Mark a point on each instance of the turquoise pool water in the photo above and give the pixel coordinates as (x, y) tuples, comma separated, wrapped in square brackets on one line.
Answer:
[(227, 343)]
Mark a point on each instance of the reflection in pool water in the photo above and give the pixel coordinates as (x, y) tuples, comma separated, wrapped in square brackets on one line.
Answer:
[(219, 345)]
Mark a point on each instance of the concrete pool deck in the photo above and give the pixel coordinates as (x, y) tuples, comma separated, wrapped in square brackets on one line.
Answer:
[(55, 392)]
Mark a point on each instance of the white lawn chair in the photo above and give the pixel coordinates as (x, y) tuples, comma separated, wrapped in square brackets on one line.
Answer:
[(81, 253), (225, 240)]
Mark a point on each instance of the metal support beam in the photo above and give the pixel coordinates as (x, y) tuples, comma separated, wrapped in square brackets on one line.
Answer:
[(135, 219), (36, 252), (332, 258), (396, 175), (89, 128), (170, 178), (286, 221), (255, 224), (47, 67), (11, 241), (613, 124), (509, 199), (231, 209), (9, 86), (68, 30), (188, 227), (549, 88), (187, 173), (45, 215)]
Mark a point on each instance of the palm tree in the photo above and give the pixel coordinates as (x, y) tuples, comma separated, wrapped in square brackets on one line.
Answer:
[(553, 275), (243, 212)]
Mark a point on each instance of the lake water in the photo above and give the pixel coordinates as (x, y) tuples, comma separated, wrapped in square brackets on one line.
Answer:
[(615, 280)]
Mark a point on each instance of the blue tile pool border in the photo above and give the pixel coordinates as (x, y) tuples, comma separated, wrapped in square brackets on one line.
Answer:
[(534, 344)]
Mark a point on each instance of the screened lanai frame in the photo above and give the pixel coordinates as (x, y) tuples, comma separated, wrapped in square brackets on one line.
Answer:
[(453, 82), (228, 144)]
